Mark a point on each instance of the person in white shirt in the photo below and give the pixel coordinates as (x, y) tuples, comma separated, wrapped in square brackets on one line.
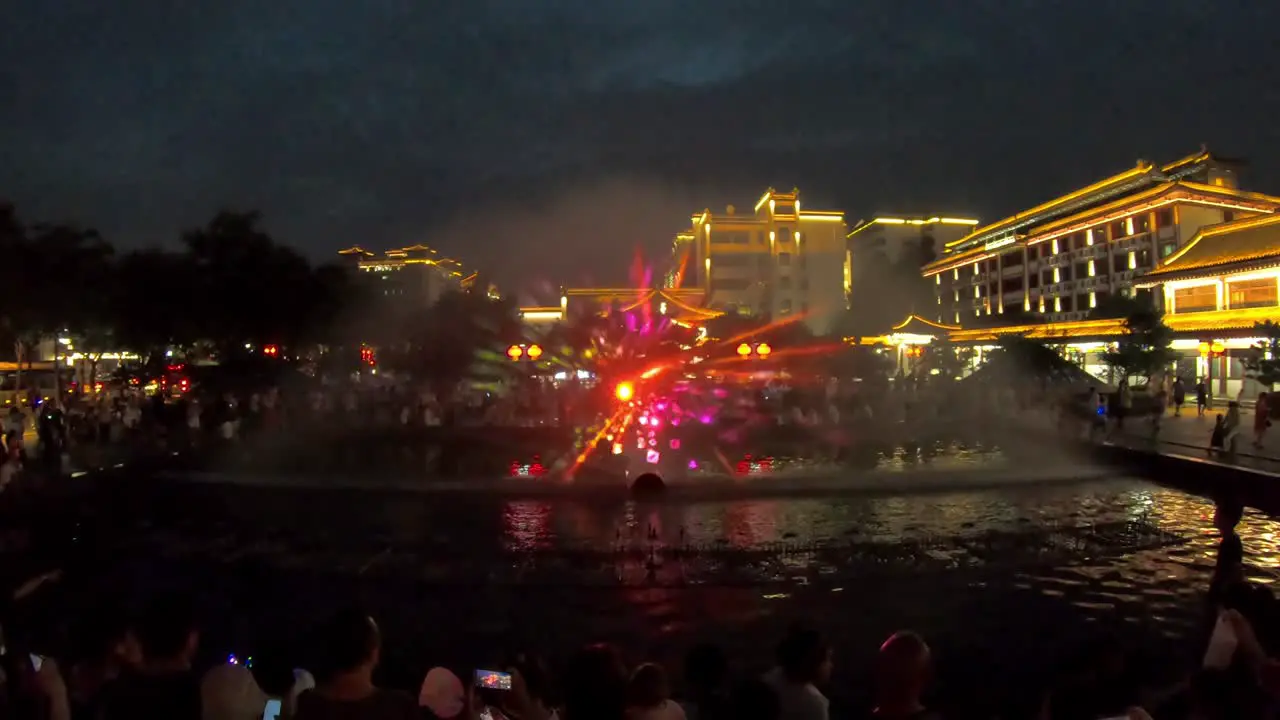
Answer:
[(804, 661)]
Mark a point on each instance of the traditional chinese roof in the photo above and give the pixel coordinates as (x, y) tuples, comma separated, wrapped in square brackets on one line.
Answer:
[(916, 325), (1249, 243), (1162, 194), (1184, 324)]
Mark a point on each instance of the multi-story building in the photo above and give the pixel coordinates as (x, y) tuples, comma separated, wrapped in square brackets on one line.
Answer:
[(899, 236), (1062, 258), (413, 276), (776, 261)]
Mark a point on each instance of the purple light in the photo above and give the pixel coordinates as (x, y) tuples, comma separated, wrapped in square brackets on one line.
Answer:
[(662, 406), (693, 464), (653, 456), (675, 421), (705, 419), (644, 419), (675, 443)]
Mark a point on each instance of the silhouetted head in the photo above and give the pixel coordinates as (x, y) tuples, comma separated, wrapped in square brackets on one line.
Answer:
[(350, 642), (706, 668), (804, 656), (902, 669), (1228, 511), (754, 700), (595, 684), (648, 686), (167, 631)]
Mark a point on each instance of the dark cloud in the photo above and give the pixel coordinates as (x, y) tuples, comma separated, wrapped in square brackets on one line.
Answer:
[(549, 139)]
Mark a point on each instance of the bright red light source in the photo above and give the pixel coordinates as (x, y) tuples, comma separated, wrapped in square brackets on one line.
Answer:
[(534, 352), (514, 352), (625, 391), (271, 350), (763, 349), (744, 349)]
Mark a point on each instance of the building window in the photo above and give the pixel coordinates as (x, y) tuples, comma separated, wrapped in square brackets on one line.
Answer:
[(1164, 218), (1141, 223), (1117, 229), (1252, 293), (1228, 216), (1196, 299), (729, 284), (784, 259), (730, 237), (784, 234), (1167, 249), (784, 306), (784, 283)]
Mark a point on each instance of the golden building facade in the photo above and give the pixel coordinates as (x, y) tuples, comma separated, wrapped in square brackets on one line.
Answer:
[(1060, 259), (777, 261)]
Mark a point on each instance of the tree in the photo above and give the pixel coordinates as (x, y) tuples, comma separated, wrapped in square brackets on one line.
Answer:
[(1263, 362), (450, 341), (21, 322), (246, 288), (1144, 347)]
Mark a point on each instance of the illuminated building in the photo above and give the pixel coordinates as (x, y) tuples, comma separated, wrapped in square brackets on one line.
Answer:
[(1063, 257), (1214, 290), (777, 260), (415, 276), (898, 236)]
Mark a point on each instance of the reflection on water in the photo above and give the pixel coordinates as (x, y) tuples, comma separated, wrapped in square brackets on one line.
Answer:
[(971, 568)]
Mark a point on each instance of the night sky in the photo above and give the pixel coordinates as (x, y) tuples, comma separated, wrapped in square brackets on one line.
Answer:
[(546, 139)]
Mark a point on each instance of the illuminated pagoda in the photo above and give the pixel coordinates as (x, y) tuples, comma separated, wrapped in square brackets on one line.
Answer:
[(416, 275)]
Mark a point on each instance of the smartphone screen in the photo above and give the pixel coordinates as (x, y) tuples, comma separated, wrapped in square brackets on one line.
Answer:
[(493, 680), (273, 709), (37, 662)]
